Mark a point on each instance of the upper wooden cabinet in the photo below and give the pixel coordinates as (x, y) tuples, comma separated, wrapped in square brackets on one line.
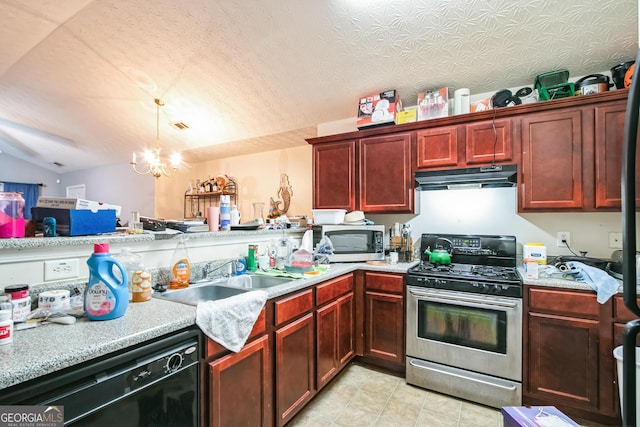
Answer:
[(609, 126), (551, 160), (568, 153), (369, 174), (437, 147), (334, 175), (488, 141), (472, 144), (386, 176)]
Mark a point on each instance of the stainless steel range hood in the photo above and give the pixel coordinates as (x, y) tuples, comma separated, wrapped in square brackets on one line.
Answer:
[(480, 177)]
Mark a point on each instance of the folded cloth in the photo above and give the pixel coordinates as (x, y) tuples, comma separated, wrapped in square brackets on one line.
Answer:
[(229, 321), (604, 285)]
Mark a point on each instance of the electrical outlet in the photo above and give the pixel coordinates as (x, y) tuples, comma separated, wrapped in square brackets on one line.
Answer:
[(61, 269), (615, 240), (563, 239)]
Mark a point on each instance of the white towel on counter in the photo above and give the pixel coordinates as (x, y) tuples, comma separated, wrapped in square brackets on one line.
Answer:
[(229, 321), (604, 285)]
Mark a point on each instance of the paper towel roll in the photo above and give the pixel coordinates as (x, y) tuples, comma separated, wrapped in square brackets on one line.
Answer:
[(461, 103), (56, 300)]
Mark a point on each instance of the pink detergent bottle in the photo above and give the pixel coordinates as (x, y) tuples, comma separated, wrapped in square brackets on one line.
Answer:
[(107, 294)]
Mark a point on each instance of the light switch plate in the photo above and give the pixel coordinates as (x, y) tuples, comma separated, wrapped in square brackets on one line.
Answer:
[(61, 269), (615, 240)]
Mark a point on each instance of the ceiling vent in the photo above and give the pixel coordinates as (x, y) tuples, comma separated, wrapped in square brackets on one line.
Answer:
[(181, 125), (58, 164)]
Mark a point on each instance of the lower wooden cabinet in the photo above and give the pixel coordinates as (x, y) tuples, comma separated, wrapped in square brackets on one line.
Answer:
[(384, 334), (335, 335), (241, 387), (295, 367), (567, 359)]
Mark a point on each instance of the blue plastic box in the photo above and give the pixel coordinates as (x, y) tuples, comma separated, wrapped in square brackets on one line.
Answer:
[(77, 222)]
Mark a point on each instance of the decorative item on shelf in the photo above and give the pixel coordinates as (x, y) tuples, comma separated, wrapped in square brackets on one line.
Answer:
[(285, 191), (155, 165), (221, 181), (274, 211)]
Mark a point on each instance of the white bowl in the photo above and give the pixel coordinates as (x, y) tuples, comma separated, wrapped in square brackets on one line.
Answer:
[(328, 216)]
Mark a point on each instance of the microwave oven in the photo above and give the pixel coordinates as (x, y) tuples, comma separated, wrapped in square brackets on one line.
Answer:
[(352, 243)]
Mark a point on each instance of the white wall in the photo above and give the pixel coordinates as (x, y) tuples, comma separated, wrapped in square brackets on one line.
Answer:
[(494, 211), (116, 185), (13, 169)]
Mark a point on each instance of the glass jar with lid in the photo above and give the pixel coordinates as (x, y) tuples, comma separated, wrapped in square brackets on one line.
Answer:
[(11, 215)]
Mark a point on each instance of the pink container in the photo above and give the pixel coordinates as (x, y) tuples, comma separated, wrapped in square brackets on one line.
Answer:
[(11, 215)]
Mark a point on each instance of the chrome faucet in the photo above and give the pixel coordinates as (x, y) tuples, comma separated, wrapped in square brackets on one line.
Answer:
[(207, 270)]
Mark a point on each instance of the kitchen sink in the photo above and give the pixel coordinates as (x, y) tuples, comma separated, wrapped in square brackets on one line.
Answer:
[(199, 293), (211, 290), (261, 282)]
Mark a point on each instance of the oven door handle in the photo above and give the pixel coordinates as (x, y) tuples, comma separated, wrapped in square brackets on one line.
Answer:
[(466, 378), (469, 300)]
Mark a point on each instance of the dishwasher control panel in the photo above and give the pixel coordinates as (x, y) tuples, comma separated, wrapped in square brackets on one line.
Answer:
[(161, 365)]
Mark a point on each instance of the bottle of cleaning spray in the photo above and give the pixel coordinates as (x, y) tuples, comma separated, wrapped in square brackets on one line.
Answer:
[(180, 266), (107, 294)]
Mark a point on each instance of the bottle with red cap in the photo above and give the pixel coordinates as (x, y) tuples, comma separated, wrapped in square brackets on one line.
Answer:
[(107, 294)]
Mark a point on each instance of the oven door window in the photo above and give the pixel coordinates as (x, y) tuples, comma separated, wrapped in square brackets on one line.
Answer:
[(473, 327), (351, 242)]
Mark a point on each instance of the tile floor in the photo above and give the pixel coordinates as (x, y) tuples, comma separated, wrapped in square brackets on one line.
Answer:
[(364, 396)]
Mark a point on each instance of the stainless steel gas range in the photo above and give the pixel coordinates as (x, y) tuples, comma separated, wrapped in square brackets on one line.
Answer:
[(464, 319)]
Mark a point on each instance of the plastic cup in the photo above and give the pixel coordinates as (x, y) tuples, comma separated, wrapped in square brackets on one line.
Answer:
[(213, 218)]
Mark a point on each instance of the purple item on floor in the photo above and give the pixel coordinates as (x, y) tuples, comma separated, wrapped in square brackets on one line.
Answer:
[(535, 416)]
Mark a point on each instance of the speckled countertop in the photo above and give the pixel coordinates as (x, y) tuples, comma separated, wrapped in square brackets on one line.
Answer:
[(51, 347)]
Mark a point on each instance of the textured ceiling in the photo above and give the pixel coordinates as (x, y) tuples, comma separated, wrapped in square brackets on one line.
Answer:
[(78, 77)]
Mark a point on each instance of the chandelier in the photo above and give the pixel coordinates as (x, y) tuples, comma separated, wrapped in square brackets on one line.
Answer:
[(154, 164)]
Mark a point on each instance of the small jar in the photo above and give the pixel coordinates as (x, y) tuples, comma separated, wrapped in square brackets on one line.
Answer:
[(6, 327), (20, 301), (12, 218), (141, 286), (17, 291)]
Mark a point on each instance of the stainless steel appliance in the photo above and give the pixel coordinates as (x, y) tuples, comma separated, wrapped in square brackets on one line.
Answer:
[(352, 243), (464, 319), (629, 247), (155, 384)]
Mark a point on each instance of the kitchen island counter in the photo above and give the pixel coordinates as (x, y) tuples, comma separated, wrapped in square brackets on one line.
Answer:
[(48, 348)]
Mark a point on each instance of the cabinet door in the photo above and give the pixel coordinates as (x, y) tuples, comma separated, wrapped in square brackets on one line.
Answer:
[(551, 161), (295, 367), (384, 335), (489, 141), (335, 338), (334, 175), (346, 329), (386, 177), (240, 387), (563, 361), (327, 343), (437, 147), (609, 126)]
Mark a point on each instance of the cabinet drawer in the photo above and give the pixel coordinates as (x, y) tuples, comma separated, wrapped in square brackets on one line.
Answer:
[(620, 312), (570, 303), (259, 328), (332, 289), (293, 306), (384, 282)]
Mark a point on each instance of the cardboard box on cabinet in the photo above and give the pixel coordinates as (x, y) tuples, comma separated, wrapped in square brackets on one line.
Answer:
[(433, 104), (378, 109), (71, 203), (77, 222)]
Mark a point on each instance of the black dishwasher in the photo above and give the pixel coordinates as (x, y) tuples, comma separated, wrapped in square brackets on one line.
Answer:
[(154, 384)]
